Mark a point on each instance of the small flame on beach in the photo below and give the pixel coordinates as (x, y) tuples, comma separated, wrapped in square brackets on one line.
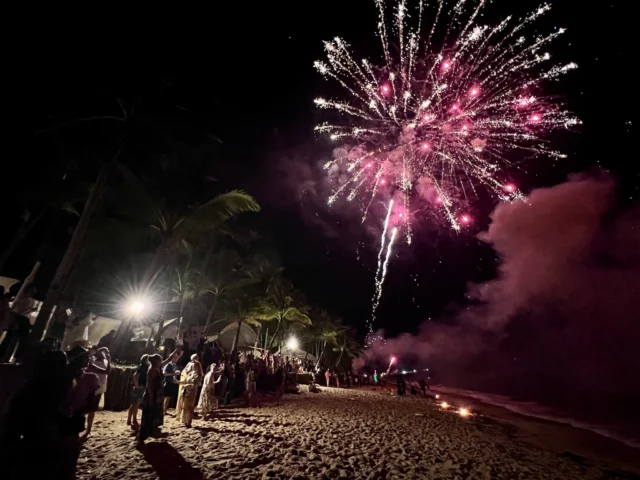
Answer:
[(444, 405), (437, 396), (463, 412)]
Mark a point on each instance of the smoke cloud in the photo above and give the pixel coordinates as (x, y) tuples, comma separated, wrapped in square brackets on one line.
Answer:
[(561, 322)]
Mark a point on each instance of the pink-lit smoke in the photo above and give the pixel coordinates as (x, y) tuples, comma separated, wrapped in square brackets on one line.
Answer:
[(561, 322)]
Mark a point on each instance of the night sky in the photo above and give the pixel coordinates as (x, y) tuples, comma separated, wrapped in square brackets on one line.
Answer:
[(245, 73)]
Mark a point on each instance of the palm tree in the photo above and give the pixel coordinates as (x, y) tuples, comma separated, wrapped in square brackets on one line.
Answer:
[(322, 333), (281, 306), (40, 201), (224, 280), (175, 228), (347, 346), (243, 311), (186, 283), (73, 249)]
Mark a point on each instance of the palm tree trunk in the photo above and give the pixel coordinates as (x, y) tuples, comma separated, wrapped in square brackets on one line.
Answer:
[(73, 249), (321, 354), (181, 310), (255, 344), (198, 289), (210, 316), (340, 357), (161, 321), (154, 269), (275, 335), (235, 340), (146, 345), (22, 232)]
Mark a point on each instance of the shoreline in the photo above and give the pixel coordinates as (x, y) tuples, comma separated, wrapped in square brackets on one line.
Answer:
[(556, 435), (562, 437)]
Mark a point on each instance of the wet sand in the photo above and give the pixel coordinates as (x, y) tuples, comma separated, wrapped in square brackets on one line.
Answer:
[(559, 437), (338, 433)]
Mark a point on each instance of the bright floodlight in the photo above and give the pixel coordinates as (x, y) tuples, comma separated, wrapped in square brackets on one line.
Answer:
[(136, 307), (292, 343)]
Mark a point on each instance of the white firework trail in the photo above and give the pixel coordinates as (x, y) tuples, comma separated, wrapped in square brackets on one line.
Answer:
[(378, 284), (380, 281)]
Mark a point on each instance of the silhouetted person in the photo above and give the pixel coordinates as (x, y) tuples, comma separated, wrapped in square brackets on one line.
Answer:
[(107, 339), (139, 387), (59, 321), (20, 326), (31, 445), (152, 410), (78, 402), (217, 353), (423, 386), (100, 364), (401, 387)]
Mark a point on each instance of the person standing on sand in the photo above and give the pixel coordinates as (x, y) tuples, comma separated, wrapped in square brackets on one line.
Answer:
[(190, 383), (423, 387), (279, 378), (139, 386), (79, 400), (221, 382), (327, 376), (375, 377), (100, 364), (152, 413), (250, 382), (170, 385), (31, 445), (208, 401), (401, 387), (230, 373), (184, 376)]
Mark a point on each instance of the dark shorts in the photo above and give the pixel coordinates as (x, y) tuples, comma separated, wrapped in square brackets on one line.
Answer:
[(171, 390), (136, 394), (93, 406)]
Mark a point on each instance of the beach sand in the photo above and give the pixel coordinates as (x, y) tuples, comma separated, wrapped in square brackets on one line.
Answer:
[(344, 433)]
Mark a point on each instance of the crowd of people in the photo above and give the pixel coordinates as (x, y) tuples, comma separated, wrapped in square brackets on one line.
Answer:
[(54, 413), (205, 383), (47, 416)]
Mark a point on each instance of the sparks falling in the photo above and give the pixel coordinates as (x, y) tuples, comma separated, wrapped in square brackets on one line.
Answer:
[(380, 279), (446, 111), (378, 282)]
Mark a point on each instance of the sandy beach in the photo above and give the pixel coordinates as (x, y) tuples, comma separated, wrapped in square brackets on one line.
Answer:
[(343, 433)]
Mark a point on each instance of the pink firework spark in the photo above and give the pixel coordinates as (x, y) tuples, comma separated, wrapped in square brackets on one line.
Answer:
[(449, 104)]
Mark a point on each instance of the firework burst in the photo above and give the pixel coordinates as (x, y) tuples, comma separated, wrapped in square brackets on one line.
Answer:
[(446, 111)]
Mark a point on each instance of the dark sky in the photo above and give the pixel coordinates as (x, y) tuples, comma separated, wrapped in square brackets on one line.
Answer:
[(245, 71)]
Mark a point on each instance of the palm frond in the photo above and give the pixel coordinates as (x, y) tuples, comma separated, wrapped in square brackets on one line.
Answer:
[(252, 322), (292, 314), (223, 207)]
